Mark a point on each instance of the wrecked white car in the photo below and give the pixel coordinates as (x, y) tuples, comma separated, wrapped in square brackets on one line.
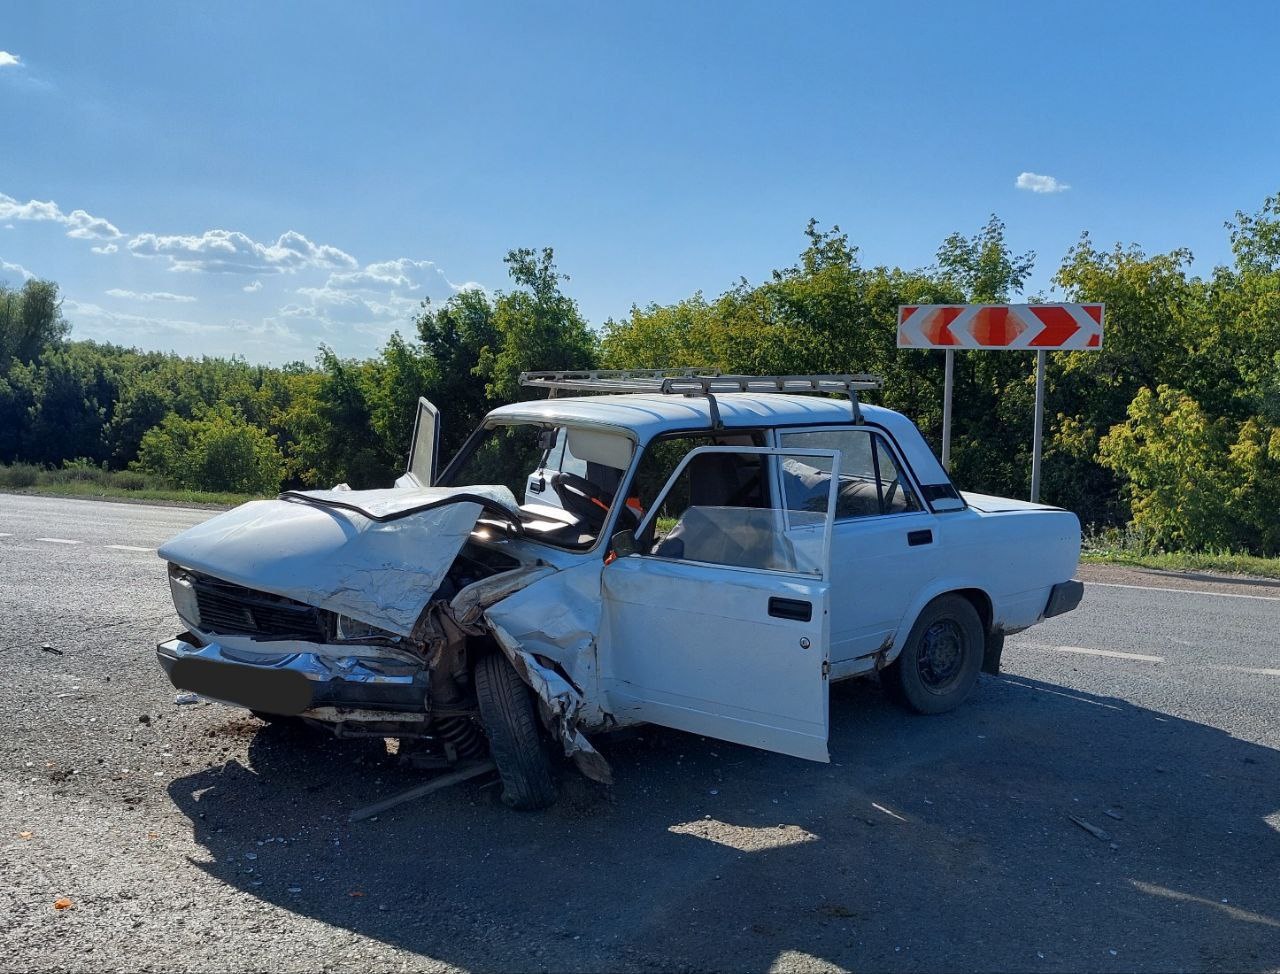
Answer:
[(701, 552)]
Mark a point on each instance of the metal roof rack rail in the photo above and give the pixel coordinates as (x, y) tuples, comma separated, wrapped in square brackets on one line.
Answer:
[(698, 382)]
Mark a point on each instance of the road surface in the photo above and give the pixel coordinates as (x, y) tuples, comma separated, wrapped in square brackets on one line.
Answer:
[(1111, 802)]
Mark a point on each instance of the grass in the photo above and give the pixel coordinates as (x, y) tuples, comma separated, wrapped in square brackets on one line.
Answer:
[(1114, 547), (87, 481)]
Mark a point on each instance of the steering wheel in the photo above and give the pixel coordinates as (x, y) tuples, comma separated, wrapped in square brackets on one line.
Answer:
[(582, 498)]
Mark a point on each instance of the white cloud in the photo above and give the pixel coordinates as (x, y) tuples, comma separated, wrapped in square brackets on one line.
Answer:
[(232, 252), (116, 292), (6, 268), (8, 60), (79, 224), (1037, 183), (105, 249), (114, 322), (86, 227), (250, 288), (402, 272)]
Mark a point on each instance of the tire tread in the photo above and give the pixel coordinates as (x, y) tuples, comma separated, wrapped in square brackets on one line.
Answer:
[(511, 724)]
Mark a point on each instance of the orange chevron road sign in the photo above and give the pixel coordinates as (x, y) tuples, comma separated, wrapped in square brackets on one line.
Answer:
[(1039, 328), (1000, 326)]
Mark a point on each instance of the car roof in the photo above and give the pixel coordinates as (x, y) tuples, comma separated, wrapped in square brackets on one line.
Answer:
[(648, 416)]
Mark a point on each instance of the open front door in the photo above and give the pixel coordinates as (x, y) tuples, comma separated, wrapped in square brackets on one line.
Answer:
[(719, 624), (425, 445)]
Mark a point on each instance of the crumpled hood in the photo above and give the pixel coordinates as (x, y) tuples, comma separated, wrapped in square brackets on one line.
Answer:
[(381, 573)]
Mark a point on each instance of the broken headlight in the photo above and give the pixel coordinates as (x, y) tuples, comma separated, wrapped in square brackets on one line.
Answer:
[(347, 630), (184, 596)]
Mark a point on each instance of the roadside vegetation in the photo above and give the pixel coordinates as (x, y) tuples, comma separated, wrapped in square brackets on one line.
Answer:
[(83, 480), (1115, 546), (1169, 436)]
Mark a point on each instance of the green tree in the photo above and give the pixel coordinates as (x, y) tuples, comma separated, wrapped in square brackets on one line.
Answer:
[(219, 451), (30, 321), (538, 326), (457, 337)]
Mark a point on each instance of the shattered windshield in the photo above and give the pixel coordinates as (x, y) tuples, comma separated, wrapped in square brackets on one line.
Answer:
[(566, 478)]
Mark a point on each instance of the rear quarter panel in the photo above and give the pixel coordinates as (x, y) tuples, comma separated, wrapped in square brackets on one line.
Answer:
[(1014, 556)]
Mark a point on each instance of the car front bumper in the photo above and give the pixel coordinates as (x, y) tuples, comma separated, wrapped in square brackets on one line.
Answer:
[(291, 682)]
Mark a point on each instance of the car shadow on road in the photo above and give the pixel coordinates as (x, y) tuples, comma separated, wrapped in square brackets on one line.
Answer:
[(1037, 827)]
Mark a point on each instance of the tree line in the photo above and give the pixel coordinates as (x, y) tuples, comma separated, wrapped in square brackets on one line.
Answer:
[(1172, 427)]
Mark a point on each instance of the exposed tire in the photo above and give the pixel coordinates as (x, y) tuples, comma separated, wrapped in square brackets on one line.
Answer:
[(511, 724), (939, 664)]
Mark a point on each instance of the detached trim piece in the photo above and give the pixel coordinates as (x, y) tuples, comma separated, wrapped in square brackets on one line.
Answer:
[(1064, 597), (485, 503)]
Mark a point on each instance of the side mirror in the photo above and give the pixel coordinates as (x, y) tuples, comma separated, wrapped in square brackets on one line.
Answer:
[(623, 543)]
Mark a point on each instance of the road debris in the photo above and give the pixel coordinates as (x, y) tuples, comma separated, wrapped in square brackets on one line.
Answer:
[(24, 835), (421, 791), (62, 903), (46, 647), (183, 699), (1112, 813), (1093, 830)]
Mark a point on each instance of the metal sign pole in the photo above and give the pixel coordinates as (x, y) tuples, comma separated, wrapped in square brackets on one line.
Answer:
[(1038, 435), (947, 384)]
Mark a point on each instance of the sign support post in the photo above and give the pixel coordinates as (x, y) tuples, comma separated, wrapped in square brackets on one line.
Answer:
[(1038, 328), (1037, 435), (948, 382)]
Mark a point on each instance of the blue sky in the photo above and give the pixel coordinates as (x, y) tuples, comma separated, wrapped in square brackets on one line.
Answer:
[(260, 178)]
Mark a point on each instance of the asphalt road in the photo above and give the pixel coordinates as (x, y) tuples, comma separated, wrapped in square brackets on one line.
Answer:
[(195, 838)]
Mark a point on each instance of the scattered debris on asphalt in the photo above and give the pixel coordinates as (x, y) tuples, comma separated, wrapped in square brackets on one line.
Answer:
[(1112, 813), (62, 903), (186, 698), (50, 649), (1093, 830)]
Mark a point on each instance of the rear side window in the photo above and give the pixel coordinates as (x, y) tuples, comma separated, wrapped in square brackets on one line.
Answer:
[(871, 482)]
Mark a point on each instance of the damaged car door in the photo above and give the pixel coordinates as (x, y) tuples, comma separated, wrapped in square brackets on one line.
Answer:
[(717, 623)]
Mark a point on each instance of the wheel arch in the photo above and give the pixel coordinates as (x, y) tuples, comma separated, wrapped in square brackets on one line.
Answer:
[(974, 594)]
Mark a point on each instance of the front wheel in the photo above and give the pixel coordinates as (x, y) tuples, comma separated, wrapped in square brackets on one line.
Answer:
[(511, 724), (939, 664)]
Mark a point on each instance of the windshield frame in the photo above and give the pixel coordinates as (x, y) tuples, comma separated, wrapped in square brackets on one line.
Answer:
[(477, 437)]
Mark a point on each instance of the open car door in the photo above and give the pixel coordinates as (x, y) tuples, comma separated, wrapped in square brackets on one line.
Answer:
[(425, 447), (719, 623)]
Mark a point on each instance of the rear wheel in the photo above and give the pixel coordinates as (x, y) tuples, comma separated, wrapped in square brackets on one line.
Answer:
[(939, 664), (511, 724)]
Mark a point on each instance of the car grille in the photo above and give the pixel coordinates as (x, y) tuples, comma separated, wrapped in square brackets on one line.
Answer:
[(235, 610)]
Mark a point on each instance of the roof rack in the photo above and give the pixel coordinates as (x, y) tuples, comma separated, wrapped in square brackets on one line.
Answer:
[(698, 382)]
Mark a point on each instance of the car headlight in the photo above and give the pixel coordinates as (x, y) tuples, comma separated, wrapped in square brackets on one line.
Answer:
[(184, 596), (347, 629)]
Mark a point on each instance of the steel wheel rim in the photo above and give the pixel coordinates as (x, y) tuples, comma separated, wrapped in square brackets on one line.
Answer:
[(940, 658)]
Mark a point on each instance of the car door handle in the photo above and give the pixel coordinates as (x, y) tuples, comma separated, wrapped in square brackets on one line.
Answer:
[(794, 609), (923, 536)]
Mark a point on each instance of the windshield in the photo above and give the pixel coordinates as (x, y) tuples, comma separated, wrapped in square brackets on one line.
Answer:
[(566, 478)]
